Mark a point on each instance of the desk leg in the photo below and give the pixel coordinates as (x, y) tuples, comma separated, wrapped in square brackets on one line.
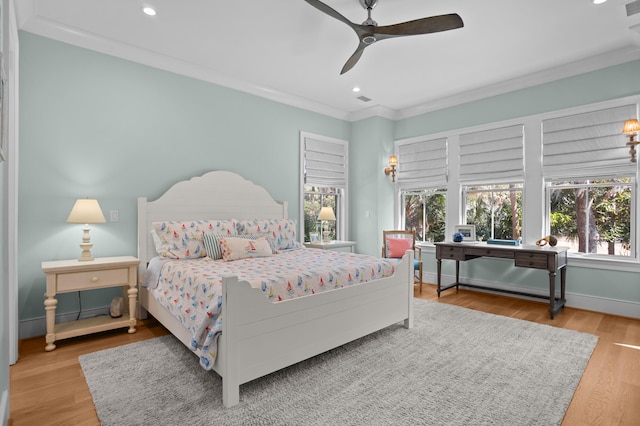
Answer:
[(457, 275), (563, 280), (552, 293), (439, 262)]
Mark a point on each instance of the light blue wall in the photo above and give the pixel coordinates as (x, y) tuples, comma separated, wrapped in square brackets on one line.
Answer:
[(371, 190), (93, 125), (97, 126), (610, 83)]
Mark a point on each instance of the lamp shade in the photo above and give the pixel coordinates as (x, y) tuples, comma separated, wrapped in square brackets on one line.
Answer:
[(326, 213), (86, 210), (393, 160), (631, 126)]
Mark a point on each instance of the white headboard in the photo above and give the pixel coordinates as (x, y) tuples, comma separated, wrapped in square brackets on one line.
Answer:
[(214, 195)]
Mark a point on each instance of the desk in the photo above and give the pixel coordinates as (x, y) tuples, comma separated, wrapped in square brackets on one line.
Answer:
[(548, 258), (337, 245)]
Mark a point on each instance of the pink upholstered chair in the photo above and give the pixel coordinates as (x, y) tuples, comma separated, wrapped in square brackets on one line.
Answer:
[(396, 243)]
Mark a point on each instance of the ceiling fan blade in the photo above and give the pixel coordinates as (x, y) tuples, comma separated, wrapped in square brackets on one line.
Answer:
[(329, 11), (354, 58), (432, 24)]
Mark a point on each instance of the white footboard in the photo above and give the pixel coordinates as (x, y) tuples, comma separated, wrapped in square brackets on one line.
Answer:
[(260, 337)]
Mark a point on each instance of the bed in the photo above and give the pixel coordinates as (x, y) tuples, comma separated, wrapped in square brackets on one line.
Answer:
[(258, 336)]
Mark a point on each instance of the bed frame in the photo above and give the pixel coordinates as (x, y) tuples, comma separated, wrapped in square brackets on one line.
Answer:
[(259, 337)]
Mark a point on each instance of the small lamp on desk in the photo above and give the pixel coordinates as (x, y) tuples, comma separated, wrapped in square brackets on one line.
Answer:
[(86, 210), (326, 215)]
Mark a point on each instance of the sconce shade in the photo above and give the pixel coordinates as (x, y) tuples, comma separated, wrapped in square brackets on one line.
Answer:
[(391, 170), (631, 126), (326, 213), (86, 210)]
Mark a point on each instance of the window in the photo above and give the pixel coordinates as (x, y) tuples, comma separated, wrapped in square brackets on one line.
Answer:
[(495, 210), (422, 179), (590, 183), (324, 184), (316, 197), (425, 213), (492, 171), (592, 216)]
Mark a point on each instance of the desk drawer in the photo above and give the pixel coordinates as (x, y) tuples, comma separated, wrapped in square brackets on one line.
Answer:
[(489, 252), (455, 253), (532, 260), (75, 281)]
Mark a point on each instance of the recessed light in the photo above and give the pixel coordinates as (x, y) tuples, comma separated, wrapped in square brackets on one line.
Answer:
[(148, 10), (356, 89), (599, 1)]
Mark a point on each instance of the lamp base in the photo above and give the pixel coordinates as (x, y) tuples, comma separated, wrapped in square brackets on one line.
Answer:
[(325, 236), (86, 252)]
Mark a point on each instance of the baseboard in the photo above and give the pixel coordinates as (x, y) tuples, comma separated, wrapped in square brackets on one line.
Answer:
[(604, 305), (34, 327), (38, 326), (4, 407)]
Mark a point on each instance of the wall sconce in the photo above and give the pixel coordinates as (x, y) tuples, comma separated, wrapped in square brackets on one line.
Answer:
[(393, 162), (86, 211), (630, 128)]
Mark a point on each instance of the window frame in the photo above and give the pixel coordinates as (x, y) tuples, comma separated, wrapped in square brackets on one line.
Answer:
[(493, 188), (633, 237), (429, 191), (341, 211)]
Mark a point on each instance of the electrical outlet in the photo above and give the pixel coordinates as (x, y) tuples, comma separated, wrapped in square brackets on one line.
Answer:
[(114, 215)]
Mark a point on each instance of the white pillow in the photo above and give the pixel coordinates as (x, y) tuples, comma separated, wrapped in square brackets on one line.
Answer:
[(242, 248)]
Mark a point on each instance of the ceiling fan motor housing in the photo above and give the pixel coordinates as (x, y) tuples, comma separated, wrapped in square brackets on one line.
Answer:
[(368, 4)]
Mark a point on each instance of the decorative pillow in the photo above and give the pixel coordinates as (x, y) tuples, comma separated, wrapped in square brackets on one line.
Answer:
[(212, 243), (396, 247), (281, 232), (183, 239), (234, 248)]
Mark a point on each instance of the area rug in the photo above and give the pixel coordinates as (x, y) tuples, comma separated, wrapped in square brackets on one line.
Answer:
[(455, 367)]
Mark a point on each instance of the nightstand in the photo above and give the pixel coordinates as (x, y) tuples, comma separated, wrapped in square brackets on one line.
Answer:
[(333, 245), (64, 276)]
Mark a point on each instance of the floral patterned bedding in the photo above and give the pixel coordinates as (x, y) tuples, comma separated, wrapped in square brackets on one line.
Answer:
[(191, 288)]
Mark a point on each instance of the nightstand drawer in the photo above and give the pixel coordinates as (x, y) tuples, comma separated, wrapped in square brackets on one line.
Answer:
[(75, 281), (532, 260)]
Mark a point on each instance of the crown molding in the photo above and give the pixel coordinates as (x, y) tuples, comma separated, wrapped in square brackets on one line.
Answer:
[(619, 56), (28, 20), (56, 31)]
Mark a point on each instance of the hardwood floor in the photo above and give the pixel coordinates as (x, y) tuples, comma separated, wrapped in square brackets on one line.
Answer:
[(48, 388)]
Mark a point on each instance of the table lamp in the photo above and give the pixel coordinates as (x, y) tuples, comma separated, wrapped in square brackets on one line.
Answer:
[(86, 210), (326, 215)]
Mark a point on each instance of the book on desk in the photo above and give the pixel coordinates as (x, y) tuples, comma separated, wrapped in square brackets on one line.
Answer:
[(503, 242)]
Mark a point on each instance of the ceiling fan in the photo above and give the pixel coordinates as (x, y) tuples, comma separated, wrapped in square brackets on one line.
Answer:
[(369, 32)]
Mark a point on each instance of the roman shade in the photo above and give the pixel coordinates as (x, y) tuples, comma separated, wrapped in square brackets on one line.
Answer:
[(492, 156), (422, 163), (587, 145), (325, 162)]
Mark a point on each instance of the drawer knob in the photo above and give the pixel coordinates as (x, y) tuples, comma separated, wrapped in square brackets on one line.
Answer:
[(95, 279)]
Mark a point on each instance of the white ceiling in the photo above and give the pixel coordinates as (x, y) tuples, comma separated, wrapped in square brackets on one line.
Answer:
[(287, 50)]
